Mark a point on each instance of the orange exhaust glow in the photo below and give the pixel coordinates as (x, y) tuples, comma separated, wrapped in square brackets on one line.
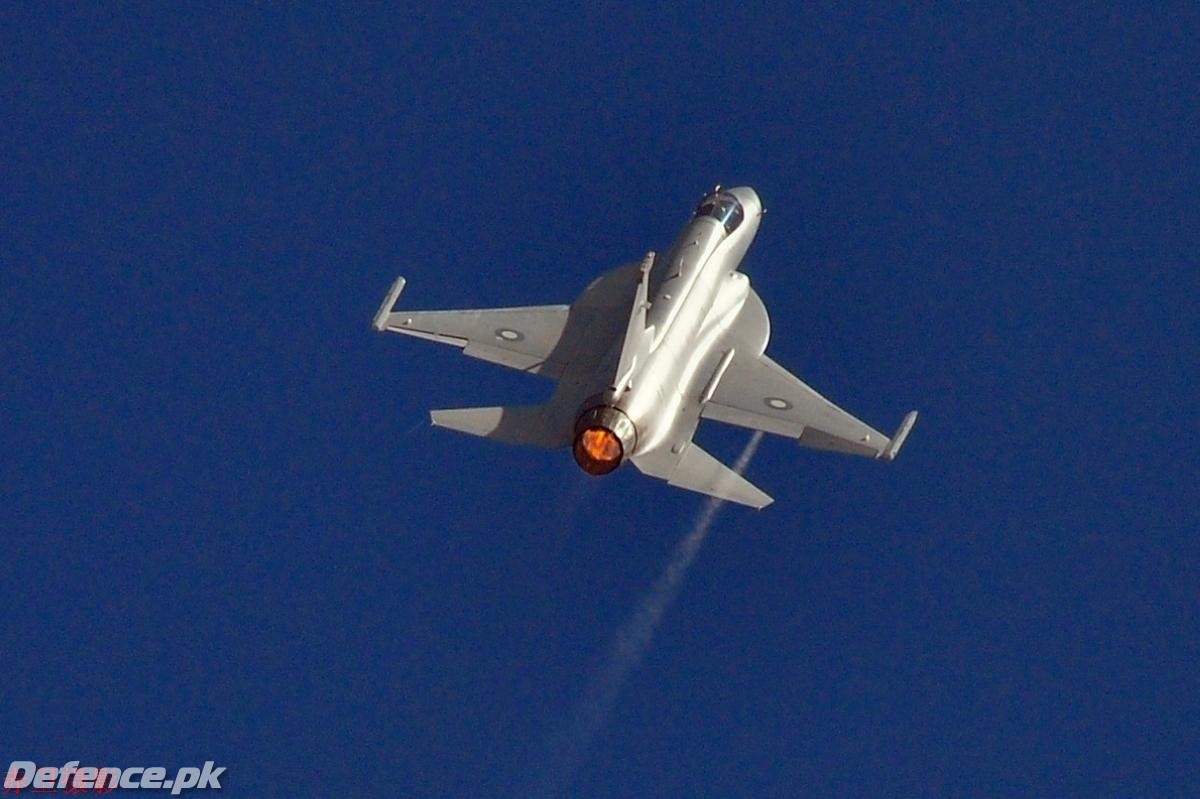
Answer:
[(601, 444), (598, 450)]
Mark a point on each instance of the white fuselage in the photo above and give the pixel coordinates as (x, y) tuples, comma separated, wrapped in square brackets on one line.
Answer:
[(696, 293)]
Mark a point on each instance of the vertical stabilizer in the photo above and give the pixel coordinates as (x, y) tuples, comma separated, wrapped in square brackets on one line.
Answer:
[(636, 345)]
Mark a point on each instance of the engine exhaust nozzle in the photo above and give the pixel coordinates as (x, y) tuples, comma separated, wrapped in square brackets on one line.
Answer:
[(604, 436)]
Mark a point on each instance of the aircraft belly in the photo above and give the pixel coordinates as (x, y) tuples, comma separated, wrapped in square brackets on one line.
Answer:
[(645, 352), (664, 401), (680, 271)]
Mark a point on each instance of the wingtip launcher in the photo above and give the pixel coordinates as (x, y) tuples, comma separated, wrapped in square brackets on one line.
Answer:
[(893, 447), (389, 302)]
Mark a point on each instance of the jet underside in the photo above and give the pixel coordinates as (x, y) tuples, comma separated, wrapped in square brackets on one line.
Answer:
[(645, 352)]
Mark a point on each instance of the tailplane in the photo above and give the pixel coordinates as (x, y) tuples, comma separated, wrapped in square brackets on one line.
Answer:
[(698, 471), (535, 425)]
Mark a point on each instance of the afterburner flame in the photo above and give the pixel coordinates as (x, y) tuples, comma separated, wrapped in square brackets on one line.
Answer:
[(598, 450), (601, 444)]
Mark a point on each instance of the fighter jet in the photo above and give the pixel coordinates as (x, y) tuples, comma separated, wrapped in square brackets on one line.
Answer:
[(645, 352)]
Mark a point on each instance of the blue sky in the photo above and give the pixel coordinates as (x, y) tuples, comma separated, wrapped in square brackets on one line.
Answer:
[(229, 534)]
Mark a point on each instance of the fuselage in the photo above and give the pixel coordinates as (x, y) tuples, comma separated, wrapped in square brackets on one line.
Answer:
[(696, 292)]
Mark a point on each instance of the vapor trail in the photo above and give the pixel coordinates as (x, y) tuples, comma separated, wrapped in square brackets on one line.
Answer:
[(630, 645)]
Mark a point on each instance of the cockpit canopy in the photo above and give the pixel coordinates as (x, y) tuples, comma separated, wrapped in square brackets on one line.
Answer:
[(724, 208)]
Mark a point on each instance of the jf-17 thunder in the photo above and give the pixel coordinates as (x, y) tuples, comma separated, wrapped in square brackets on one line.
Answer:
[(642, 355)]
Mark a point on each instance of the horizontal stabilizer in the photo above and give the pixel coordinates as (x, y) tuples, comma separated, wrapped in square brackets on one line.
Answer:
[(519, 424), (698, 471)]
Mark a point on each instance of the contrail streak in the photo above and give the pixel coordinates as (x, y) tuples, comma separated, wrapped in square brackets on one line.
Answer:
[(630, 645)]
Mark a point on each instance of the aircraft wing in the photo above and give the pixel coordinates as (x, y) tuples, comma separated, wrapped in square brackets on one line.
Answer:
[(525, 339), (758, 393)]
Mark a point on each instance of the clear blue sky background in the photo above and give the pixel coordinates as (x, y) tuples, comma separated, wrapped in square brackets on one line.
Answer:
[(228, 533)]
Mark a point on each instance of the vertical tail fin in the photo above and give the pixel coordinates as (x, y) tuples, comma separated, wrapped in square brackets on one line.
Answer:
[(638, 336)]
